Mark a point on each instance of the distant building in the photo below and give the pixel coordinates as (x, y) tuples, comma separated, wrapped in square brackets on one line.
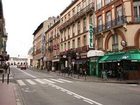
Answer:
[(30, 57), (17, 61)]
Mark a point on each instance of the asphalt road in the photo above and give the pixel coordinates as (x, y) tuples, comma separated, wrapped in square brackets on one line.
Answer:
[(37, 88)]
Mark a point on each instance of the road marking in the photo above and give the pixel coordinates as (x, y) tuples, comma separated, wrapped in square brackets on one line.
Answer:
[(27, 73), (65, 80), (31, 82), (21, 83), (57, 80), (88, 101), (76, 95), (40, 81), (48, 81)]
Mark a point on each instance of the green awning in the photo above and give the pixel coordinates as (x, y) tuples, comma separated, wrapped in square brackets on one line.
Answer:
[(115, 57), (102, 60), (112, 57), (132, 55)]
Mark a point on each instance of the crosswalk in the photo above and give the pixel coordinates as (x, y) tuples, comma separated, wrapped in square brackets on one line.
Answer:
[(41, 81)]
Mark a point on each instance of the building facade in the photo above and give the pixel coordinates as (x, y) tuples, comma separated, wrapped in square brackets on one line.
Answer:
[(39, 42), (3, 35), (117, 31), (96, 35), (52, 46), (75, 21)]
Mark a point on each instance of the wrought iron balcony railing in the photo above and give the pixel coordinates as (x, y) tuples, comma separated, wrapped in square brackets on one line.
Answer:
[(83, 11), (110, 24)]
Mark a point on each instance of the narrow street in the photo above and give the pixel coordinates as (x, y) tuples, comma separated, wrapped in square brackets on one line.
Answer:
[(37, 88)]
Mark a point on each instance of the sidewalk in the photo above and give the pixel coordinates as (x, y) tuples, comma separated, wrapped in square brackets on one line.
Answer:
[(7, 94), (92, 78)]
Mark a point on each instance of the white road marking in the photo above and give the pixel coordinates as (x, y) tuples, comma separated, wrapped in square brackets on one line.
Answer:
[(88, 101), (31, 82), (48, 81), (65, 80), (40, 81), (77, 95), (28, 74), (21, 83), (57, 80)]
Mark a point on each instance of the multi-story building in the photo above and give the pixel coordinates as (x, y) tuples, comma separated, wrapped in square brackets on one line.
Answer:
[(75, 21), (52, 46), (30, 57), (39, 42), (3, 34), (117, 30)]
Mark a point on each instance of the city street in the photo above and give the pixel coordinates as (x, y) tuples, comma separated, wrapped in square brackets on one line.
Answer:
[(38, 88)]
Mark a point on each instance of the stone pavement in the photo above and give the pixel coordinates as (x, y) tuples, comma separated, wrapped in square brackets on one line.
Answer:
[(7, 94)]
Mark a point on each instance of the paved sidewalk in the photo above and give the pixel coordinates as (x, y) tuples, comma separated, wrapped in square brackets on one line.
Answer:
[(91, 78), (7, 94)]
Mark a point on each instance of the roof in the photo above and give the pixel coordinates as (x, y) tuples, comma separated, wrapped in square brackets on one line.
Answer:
[(38, 28), (72, 3)]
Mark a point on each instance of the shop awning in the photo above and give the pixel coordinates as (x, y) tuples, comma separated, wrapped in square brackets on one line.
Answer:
[(132, 55), (102, 60), (112, 57), (94, 53)]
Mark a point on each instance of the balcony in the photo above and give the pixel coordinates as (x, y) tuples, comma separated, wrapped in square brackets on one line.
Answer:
[(110, 24), (137, 19), (82, 12)]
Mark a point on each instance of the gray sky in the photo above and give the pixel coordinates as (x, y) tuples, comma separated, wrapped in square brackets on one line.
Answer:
[(22, 17)]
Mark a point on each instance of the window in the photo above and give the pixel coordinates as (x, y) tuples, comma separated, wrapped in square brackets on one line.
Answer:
[(84, 25), (69, 45), (73, 11), (68, 32), (100, 26), (73, 43), (107, 1), (108, 19), (115, 43), (99, 4), (65, 46), (61, 47), (137, 11), (78, 27), (78, 42), (84, 3), (90, 19), (78, 8), (73, 30), (84, 40), (119, 14), (69, 15)]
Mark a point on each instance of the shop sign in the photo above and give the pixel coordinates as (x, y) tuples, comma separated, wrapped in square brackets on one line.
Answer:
[(90, 36)]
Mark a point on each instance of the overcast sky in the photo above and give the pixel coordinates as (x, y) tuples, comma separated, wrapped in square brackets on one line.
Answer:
[(22, 17)]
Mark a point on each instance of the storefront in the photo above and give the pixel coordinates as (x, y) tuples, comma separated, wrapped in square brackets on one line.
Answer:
[(129, 61), (93, 56)]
